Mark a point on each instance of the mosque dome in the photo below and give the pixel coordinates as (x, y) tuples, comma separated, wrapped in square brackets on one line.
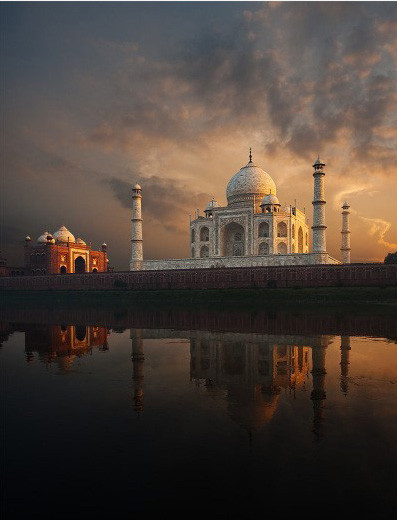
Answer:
[(136, 187), (249, 184), (270, 199), (80, 241), (63, 235), (43, 238)]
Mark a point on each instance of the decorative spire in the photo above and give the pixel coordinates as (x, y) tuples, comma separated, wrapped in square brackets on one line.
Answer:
[(250, 156)]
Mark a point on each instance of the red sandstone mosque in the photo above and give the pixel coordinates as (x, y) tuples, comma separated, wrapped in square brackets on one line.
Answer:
[(62, 253)]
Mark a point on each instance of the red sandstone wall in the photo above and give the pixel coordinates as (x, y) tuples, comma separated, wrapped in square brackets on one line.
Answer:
[(223, 278)]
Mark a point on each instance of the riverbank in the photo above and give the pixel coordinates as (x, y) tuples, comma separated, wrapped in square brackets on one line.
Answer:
[(357, 296)]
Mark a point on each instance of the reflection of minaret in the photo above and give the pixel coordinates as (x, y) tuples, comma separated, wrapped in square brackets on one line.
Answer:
[(137, 368), (318, 394), (344, 363)]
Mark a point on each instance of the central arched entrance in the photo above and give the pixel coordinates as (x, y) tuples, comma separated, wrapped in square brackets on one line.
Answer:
[(232, 240), (79, 265)]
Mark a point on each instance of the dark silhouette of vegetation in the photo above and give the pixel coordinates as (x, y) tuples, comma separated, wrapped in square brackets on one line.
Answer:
[(391, 258)]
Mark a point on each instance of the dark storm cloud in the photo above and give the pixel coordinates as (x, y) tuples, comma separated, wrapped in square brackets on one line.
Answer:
[(166, 201), (305, 71)]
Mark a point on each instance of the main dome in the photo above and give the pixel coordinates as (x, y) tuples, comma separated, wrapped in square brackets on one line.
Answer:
[(64, 235), (249, 185)]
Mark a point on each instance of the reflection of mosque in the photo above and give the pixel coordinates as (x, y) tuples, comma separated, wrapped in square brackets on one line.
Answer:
[(62, 344), (252, 370)]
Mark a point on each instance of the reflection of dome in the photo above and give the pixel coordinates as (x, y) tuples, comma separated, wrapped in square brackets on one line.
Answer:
[(63, 235), (270, 199), (250, 411), (80, 241), (43, 238), (249, 183)]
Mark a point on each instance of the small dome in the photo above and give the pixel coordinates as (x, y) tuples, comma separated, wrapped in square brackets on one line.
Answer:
[(270, 199), (63, 235), (211, 205), (136, 187), (43, 238), (80, 241), (27, 238)]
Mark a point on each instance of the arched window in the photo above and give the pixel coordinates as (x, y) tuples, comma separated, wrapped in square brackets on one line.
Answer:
[(192, 252), (193, 236), (281, 229), (300, 240), (63, 269), (293, 230), (204, 234), (263, 248), (238, 250), (79, 265), (263, 230), (204, 252), (232, 240), (306, 241), (282, 248), (95, 270)]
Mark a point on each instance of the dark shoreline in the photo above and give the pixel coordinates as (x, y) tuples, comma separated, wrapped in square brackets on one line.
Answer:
[(356, 296)]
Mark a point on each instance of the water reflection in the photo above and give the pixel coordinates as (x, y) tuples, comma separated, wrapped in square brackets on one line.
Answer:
[(235, 405), (252, 370), (62, 344)]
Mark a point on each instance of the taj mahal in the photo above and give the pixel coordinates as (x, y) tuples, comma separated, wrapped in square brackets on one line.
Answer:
[(254, 229)]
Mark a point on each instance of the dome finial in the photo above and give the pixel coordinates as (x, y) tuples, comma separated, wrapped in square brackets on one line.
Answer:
[(250, 156)]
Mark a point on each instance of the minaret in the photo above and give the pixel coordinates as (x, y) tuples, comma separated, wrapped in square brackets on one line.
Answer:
[(344, 363), (318, 394), (136, 238), (137, 358), (319, 227), (345, 248)]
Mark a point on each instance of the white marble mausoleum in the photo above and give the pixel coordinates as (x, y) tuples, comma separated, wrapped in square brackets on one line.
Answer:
[(253, 229)]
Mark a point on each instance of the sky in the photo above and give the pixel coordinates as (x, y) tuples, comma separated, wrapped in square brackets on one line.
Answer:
[(98, 96)]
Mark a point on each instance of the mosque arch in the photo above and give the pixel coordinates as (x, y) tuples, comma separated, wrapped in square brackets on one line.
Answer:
[(63, 269), (204, 252), (79, 265), (263, 248), (232, 240), (282, 248), (95, 270), (193, 236), (81, 332), (263, 230), (204, 234), (281, 229), (300, 240)]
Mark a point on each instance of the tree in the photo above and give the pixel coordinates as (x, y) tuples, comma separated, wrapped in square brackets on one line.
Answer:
[(391, 258)]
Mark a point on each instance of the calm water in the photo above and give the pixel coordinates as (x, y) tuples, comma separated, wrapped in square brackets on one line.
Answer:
[(238, 415)]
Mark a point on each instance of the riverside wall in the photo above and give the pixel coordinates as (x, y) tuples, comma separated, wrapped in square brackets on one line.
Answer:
[(350, 275)]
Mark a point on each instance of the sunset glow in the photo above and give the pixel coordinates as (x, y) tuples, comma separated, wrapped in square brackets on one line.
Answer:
[(172, 95)]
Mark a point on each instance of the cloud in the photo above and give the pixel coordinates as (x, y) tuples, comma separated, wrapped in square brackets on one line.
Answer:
[(351, 189), (165, 201), (378, 228)]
